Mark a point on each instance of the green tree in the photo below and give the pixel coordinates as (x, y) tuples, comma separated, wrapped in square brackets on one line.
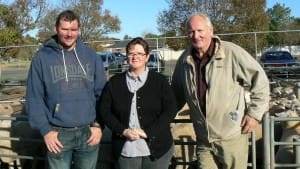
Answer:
[(127, 37), (16, 19), (295, 36), (279, 15), (151, 35), (175, 42), (9, 30), (248, 16), (27, 13), (46, 25), (280, 19)]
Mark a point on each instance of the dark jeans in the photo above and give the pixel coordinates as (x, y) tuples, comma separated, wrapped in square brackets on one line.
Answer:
[(145, 162), (75, 152)]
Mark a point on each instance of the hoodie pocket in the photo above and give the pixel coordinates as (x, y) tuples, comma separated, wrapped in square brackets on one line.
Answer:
[(75, 111)]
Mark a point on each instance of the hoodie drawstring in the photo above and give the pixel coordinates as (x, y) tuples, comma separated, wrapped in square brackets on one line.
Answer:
[(79, 62), (65, 67)]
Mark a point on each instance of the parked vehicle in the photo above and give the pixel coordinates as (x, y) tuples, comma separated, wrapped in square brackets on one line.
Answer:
[(280, 64), (278, 59), (113, 61), (156, 61), (117, 62)]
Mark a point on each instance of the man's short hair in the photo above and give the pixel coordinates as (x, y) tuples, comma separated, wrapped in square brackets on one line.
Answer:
[(207, 19), (67, 15)]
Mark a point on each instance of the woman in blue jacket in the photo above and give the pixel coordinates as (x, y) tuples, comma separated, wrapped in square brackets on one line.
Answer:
[(138, 106)]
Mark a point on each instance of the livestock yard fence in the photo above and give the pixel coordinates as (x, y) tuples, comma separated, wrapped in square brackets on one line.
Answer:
[(23, 148)]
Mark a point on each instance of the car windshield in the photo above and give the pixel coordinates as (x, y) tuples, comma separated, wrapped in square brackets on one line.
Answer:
[(118, 54), (278, 56), (103, 57), (152, 58)]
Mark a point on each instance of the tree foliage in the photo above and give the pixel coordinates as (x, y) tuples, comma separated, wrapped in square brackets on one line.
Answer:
[(281, 19), (248, 16), (295, 37), (175, 43), (16, 19), (228, 16), (127, 37), (27, 13), (279, 16), (46, 25), (9, 31), (19, 17)]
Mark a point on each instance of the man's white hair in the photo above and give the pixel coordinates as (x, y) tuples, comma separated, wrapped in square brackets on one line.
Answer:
[(207, 19)]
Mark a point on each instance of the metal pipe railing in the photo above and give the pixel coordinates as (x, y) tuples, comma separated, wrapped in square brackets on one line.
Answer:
[(269, 158), (177, 142)]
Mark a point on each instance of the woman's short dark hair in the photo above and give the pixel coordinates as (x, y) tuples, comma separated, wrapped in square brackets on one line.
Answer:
[(67, 15), (138, 41)]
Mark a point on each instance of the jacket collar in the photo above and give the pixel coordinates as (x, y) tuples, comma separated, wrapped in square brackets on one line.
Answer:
[(217, 54)]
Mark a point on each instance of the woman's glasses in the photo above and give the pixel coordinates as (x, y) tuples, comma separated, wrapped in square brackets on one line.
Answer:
[(139, 55)]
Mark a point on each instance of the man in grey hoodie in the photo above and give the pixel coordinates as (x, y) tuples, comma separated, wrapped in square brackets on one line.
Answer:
[(64, 82), (210, 76)]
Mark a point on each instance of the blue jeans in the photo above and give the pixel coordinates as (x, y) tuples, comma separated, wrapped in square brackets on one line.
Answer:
[(75, 152)]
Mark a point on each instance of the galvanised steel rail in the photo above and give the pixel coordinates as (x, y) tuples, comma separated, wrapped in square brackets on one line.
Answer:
[(270, 142), (251, 164)]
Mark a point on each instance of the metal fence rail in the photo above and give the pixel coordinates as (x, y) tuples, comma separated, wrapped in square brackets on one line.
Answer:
[(175, 163), (270, 143)]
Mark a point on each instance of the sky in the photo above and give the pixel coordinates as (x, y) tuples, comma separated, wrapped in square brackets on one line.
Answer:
[(139, 16)]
